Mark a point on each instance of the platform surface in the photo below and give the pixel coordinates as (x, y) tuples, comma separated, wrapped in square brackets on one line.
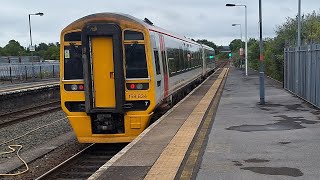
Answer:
[(278, 140), (6, 89)]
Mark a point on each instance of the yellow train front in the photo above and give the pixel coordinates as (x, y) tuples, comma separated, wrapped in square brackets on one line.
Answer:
[(116, 69)]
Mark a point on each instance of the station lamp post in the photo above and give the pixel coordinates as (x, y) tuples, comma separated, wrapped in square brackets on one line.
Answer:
[(241, 50), (31, 48), (246, 34)]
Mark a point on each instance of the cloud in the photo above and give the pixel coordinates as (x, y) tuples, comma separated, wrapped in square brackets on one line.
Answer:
[(209, 19)]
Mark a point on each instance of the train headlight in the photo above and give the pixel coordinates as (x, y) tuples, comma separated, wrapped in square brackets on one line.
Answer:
[(74, 87), (139, 86)]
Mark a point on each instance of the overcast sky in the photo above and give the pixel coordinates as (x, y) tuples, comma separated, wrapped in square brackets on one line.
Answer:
[(197, 19)]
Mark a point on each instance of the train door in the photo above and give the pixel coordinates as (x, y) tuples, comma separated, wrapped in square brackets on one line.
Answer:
[(103, 68), (102, 72), (158, 68)]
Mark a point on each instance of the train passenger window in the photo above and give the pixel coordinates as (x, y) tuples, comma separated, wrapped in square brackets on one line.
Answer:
[(156, 58), (181, 59), (198, 58), (171, 60), (192, 60), (133, 35), (189, 59), (185, 59), (73, 68), (136, 63), (176, 60), (172, 69), (73, 36)]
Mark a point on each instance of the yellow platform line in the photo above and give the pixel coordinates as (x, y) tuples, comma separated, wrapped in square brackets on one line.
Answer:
[(167, 165)]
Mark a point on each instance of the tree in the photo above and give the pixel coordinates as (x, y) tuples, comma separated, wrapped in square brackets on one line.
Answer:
[(13, 48), (310, 31), (52, 52), (235, 45), (311, 28), (42, 46), (253, 53), (286, 35), (208, 43)]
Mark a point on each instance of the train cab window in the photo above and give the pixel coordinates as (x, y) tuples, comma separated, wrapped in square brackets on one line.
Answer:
[(73, 68), (136, 64), (73, 36), (133, 35), (156, 58)]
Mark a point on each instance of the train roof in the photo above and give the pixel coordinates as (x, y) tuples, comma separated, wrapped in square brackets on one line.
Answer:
[(102, 16)]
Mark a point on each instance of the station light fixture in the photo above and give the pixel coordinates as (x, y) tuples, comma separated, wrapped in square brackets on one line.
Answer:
[(246, 33), (39, 14)]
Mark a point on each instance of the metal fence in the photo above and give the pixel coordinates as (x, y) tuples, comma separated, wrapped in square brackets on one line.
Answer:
[(302, 72), (28, 71), (19, 59)]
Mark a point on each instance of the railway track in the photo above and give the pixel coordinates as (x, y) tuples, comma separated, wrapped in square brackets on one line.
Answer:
[(21, 115), (83, 164)]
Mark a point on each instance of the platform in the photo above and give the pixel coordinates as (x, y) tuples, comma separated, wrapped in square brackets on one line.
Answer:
[(6, 89), (235, 139), (278, 140)]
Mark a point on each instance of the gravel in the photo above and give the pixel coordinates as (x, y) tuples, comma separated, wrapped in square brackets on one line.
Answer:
[(47, 162), (15, 130), (33, 140)]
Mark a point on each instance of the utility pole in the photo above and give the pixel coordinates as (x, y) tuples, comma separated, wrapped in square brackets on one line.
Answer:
[(299, 23), (262, 94), (246, 40)]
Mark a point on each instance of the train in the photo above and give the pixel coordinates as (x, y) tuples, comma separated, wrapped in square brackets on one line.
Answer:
[(116, 70)]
